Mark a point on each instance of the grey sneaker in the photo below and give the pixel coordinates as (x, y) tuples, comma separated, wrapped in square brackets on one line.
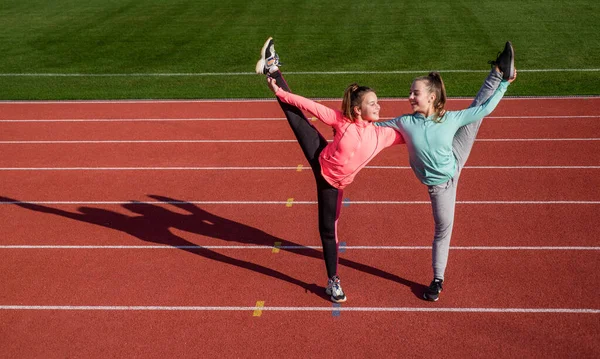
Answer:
[(334, 289), (269, 60), (506, 61), (433, 292)]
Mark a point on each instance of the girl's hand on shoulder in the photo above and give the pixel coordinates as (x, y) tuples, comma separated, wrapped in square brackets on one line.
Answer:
[(514, 77), (273, 85)]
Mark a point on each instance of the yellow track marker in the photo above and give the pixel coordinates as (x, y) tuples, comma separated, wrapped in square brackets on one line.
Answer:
[(276, 247), (299, 168), (313, 119), (258, 311), (289, 203)]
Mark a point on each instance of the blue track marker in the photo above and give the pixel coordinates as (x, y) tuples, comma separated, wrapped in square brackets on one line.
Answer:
[(346, 202), (342, 248), (336, 310)]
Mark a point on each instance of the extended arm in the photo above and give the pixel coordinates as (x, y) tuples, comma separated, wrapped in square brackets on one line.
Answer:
[(473, 114), (323, 113)]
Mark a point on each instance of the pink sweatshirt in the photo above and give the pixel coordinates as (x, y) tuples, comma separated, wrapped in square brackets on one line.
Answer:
[(354, 145)]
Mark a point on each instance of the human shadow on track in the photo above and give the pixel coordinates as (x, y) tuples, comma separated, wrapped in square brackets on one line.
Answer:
[(152, 222)]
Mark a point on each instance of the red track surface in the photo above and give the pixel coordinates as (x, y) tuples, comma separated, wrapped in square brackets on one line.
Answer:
[(520, 282)]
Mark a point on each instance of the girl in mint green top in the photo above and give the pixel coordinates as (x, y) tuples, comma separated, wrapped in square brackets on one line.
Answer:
[(429, 138), (439, 143)]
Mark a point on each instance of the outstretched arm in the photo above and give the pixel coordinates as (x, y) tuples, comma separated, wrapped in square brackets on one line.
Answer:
[(476, 113), (323, 113)]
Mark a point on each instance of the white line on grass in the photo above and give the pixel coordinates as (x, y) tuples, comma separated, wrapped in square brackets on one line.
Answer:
[(211, 74), (302, 309)]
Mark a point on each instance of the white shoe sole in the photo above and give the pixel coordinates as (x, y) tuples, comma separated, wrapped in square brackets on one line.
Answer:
[(339, 300), (260, 65)]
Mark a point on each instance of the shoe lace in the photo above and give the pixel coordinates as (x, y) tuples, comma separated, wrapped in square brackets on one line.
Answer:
[(495, 62), (336, 287), (275, 59), (435, 285)]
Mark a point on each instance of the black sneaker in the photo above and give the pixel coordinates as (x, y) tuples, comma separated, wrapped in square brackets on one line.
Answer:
[(433, 292), (506, 61), (269, 60)]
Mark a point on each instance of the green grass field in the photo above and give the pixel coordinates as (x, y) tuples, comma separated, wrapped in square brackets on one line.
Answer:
[(156, 49)]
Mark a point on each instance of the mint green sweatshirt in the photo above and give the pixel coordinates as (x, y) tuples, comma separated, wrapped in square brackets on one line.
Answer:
[(429, 143)]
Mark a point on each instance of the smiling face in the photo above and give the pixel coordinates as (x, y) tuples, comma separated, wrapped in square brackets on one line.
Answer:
[(421, 99), (369, 107)]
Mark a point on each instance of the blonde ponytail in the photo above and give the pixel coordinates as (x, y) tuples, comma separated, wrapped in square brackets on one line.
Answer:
[(435, 85)]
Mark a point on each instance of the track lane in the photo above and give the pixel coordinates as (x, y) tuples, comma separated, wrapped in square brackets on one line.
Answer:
[(534, 153), (270, 129), (268, 108), (196, 277), (186, 334), (238, 225), (374, 185)]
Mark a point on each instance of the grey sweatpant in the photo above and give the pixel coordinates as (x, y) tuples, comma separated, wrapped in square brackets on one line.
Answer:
[(443, 196)]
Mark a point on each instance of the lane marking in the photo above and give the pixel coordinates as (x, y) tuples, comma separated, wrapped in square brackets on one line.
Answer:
[(299, 168), (336, 310), (53, 142), (343, 247), (276, 247), (535, 139), (258, 309), (143, 141), (262, 308), (81, 120), (290, 201), (262, 100), (150, 119)]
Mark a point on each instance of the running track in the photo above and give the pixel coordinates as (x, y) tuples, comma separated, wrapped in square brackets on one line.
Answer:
[(188, 229)]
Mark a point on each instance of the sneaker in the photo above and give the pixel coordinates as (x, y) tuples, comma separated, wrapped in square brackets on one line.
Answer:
[(433, 292), (334, 289), (505, 61), (269, 60)]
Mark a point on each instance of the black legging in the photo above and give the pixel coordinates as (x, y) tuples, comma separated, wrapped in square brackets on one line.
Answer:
[(329, 197)]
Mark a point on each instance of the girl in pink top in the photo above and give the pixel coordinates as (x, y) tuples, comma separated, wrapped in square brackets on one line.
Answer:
[(356, 141)]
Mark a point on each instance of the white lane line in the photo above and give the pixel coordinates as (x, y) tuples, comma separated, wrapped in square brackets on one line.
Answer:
[(153, 119), (266, 141), (535, 139), (234, 168), (144, 141), (286, 202), (246, 247), (295, 202), (78, 120), (301, 309), (262, 100)]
